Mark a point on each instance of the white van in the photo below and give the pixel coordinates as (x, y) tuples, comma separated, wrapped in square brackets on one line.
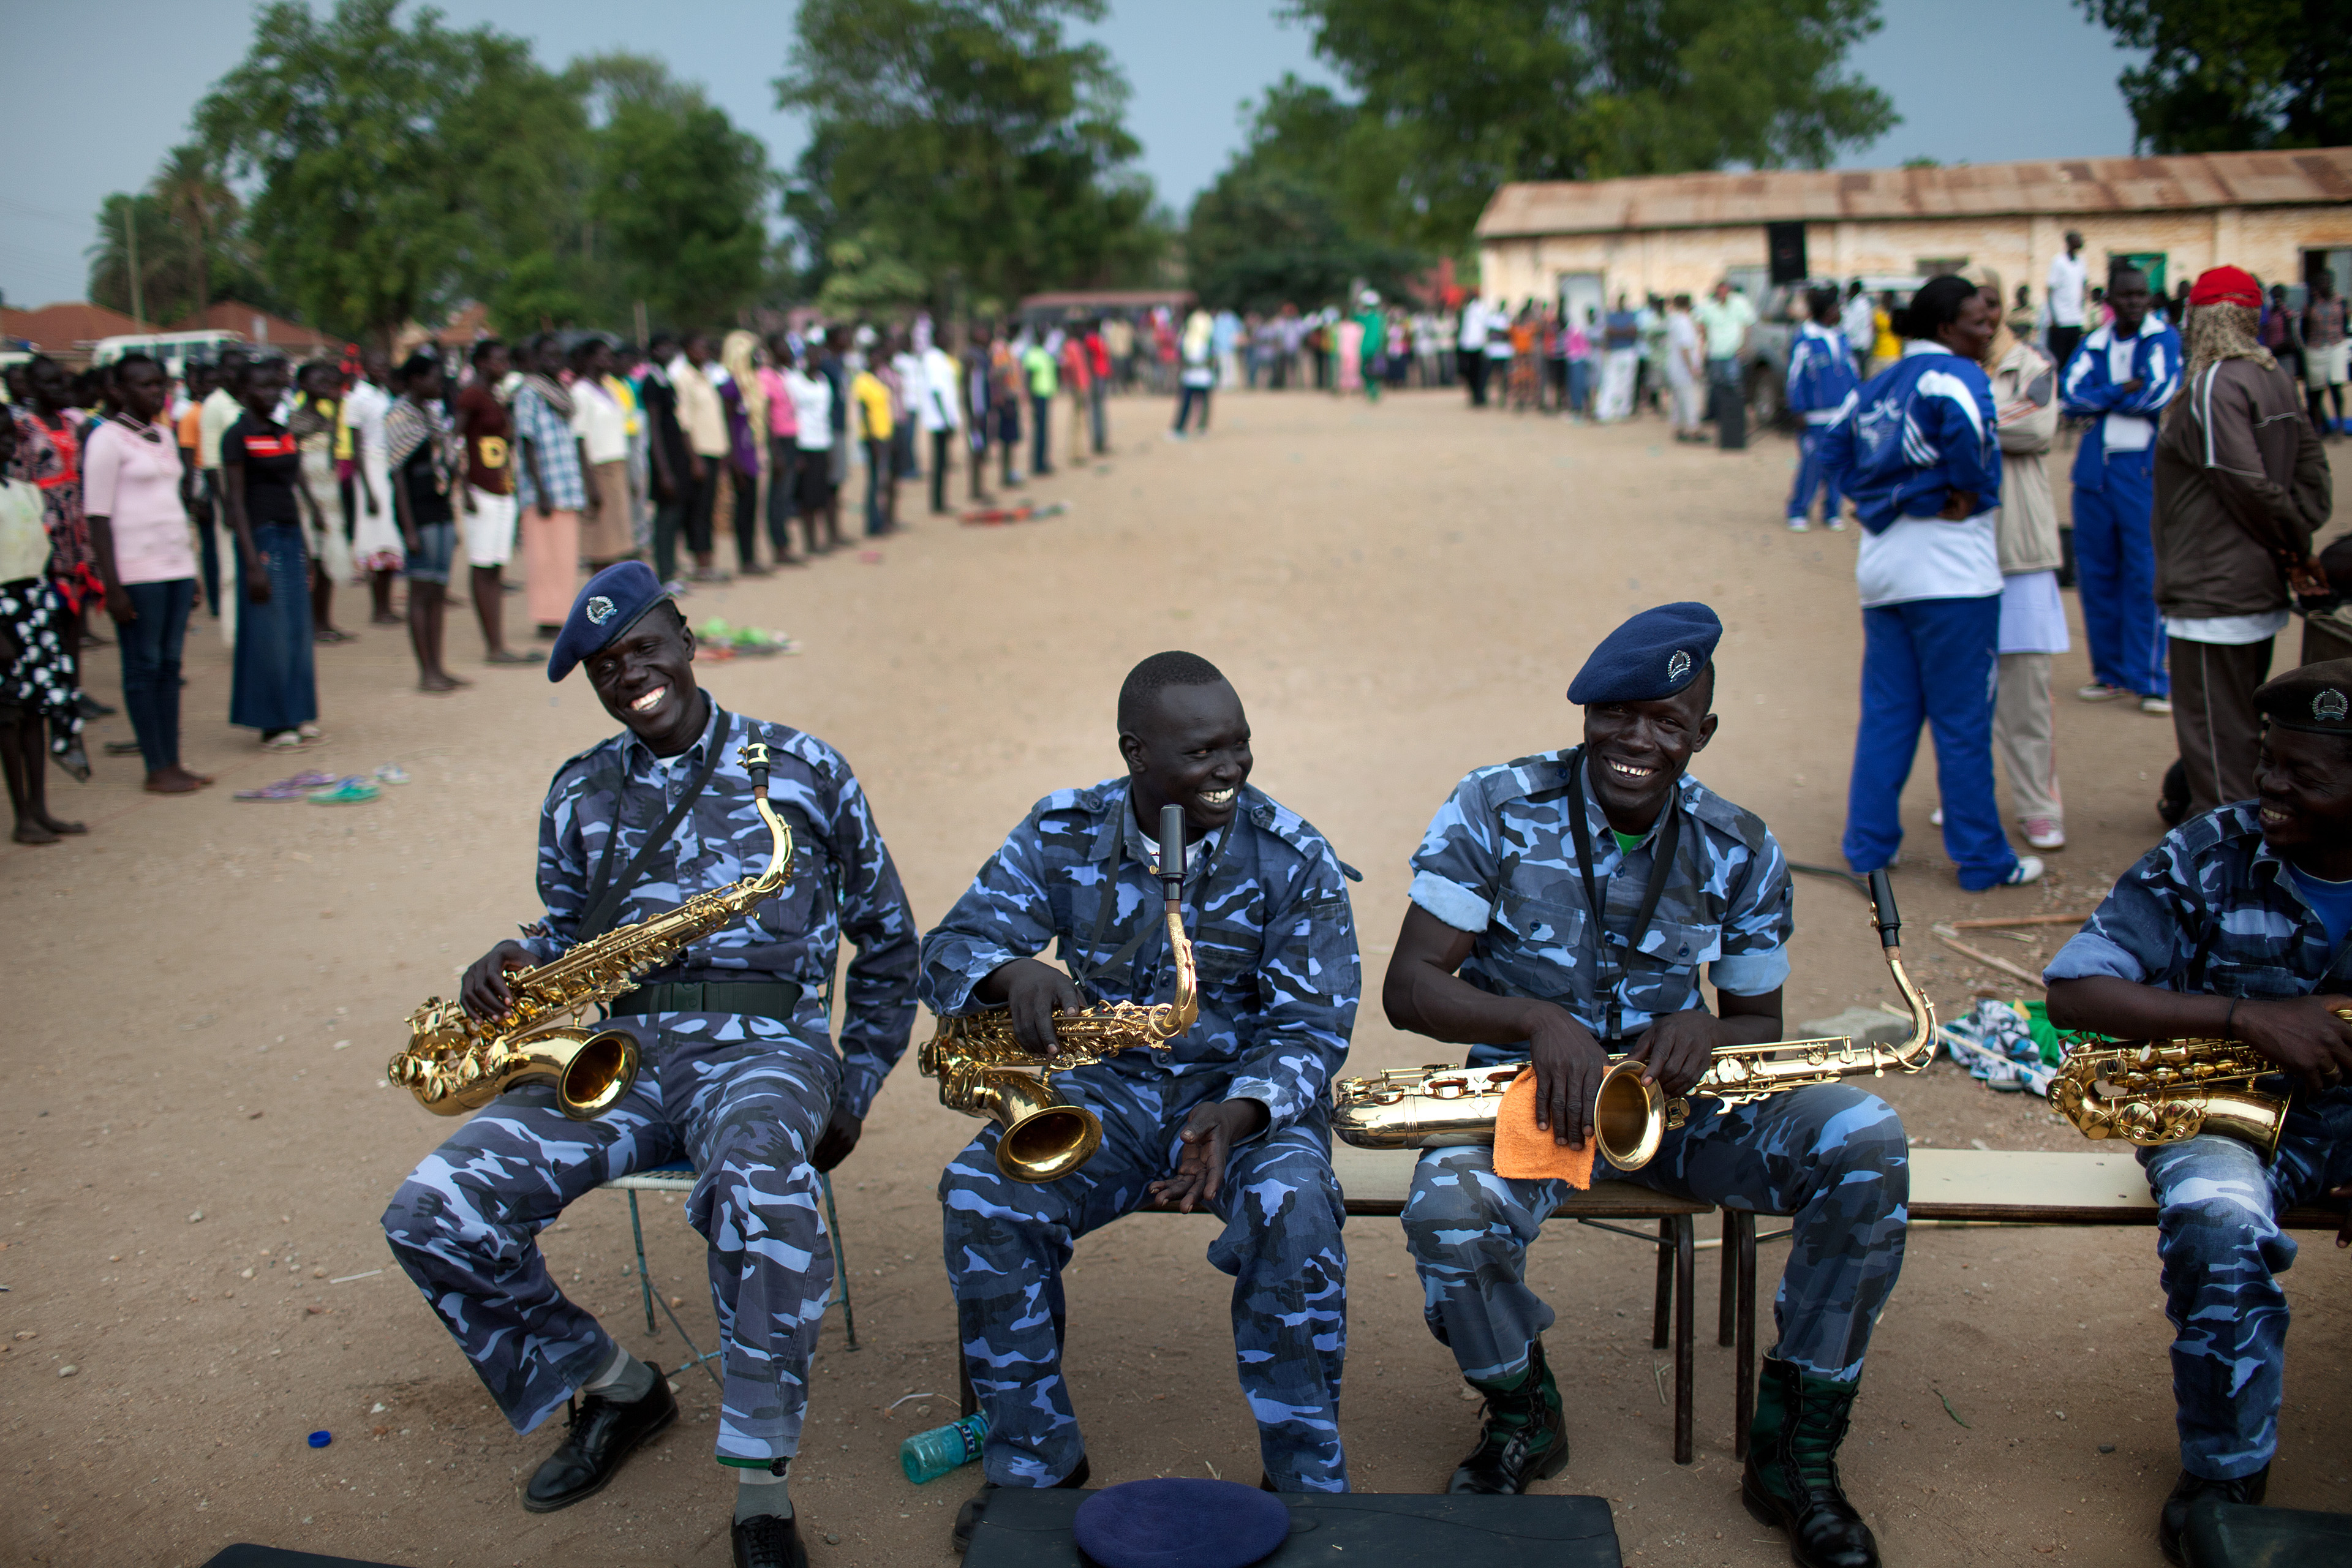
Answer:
[(173, 349)]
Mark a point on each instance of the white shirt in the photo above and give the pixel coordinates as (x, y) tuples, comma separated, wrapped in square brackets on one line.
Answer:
[(365, 407), (2068, 286), (812, 409), (2033, 614), (2227, 631), (1474, 325), (937, 403), (1860, 323), (598, 419)]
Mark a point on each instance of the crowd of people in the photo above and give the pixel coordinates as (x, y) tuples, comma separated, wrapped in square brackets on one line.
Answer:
[(123, 492)]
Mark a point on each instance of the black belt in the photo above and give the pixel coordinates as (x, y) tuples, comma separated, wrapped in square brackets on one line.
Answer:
[(759, 998)]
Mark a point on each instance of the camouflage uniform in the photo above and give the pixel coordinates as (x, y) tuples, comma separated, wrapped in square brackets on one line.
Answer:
[(745, 1098), (2212, 910), (1274, 942), (1500, 860)]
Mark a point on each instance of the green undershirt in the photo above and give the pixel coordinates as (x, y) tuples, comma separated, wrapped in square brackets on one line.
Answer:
[(1628, 842)]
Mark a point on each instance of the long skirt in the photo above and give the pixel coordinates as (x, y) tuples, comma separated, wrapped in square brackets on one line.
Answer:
[(610, 533), (41, 681), (376, 544), (551, 564), (272, 686)]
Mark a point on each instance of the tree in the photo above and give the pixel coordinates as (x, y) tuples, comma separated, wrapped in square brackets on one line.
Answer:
[(202, 207), (395, 161), (677, 193), (1259, 236), (967, 140), (1463, 95), (2226, 76)]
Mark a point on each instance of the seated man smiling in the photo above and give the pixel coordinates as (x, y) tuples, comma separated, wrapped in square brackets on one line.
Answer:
[(1577, 893)]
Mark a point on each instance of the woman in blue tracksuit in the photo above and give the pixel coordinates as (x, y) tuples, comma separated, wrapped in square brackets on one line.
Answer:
[(1918, 455)]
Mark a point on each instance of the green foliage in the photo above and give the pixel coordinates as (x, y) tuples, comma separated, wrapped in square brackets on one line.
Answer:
[(2234, 75), (401, 166), (1259, 236), (678, 194), (1460, 96), (968, 142), (189, 252)]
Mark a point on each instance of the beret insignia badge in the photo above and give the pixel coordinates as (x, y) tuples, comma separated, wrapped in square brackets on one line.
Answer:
[(1679, 665), (600, 610), (2330, 706)]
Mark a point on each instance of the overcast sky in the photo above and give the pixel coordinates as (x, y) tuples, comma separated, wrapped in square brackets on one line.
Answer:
[(97, 89)]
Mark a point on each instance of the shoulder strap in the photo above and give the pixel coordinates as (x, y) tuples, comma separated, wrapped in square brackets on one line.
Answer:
[(604, 901), (1661, 861)]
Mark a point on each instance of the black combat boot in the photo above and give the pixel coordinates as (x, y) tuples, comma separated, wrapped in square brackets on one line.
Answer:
[(2187, 1490), (1523, 1438), (1792, 1479)]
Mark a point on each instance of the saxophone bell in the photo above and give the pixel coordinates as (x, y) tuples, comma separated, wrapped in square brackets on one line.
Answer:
[(1629, 1115)]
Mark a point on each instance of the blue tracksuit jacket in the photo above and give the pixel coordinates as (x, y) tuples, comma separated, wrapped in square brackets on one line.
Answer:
[(2088, 386), (1922, 428), (1822, 377)]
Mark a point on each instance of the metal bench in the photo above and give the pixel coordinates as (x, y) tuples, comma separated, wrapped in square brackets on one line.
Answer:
[(677, 1179)]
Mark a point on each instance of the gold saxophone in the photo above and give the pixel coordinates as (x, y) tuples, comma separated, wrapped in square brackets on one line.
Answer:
[(982, 1069), (457, 1063), (2162, 1091), (1441, 1105)]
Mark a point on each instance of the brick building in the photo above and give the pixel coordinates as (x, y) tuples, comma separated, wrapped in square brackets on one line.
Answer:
[(2278, 215)]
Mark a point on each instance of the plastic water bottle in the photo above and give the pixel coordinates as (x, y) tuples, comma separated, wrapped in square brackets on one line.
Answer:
[(927, 1456)]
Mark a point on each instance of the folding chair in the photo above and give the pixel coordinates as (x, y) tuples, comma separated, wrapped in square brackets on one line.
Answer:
[(677, 1179)]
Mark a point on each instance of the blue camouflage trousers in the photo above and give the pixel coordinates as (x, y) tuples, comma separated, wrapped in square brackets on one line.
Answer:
[(1831, 1156), (1006, 1243), (741, 1099), (2219, 1237)]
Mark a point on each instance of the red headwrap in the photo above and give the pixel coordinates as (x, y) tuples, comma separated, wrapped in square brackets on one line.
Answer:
[(2226, 285)]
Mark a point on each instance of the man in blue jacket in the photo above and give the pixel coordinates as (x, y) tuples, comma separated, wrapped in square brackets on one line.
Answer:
[(1821, 382), (2121, 377)]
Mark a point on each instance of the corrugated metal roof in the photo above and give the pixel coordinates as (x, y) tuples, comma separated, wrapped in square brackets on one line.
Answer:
[(2055, 188)]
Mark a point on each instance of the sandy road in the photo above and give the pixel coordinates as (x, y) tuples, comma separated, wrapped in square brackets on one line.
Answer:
[(1399, 594)]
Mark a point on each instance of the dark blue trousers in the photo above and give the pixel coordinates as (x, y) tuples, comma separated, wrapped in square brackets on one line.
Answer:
[(2115, 565), (1932, 661), (1811, 476), (1041, 416), (151, 666)]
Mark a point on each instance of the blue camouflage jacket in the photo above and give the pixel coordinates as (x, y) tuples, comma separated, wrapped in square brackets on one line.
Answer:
[(2210, 909), (842, 882), (1273, 939), (1499, 862)]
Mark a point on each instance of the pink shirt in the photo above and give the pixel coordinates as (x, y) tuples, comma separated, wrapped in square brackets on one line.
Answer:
[(782, 422), (134, 484)]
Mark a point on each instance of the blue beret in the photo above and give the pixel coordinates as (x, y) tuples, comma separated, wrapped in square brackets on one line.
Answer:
[(609, 606), (1176, 1522), (1650, 657)]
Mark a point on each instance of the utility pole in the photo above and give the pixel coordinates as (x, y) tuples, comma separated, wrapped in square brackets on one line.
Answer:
[(640, 313), (131, 244)]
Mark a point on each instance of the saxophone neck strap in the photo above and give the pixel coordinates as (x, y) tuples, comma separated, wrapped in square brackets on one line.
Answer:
[(604, 901), (1661, 861)]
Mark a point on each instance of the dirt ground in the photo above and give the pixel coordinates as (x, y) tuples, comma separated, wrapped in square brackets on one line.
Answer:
[(200, 1142)]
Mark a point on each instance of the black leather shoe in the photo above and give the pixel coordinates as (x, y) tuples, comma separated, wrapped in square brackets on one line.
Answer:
[(769, 1540), (1792, 1479), (603, 1433), (2187, 1490), (967, 1519), (1529, 1445)]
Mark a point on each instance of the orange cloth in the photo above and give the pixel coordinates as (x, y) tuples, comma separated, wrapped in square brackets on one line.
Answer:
[(1525, 1153)]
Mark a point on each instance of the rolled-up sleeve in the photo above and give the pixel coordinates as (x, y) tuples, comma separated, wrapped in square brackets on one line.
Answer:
[(1754, 958), (2140, 933), (1454, 870)]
